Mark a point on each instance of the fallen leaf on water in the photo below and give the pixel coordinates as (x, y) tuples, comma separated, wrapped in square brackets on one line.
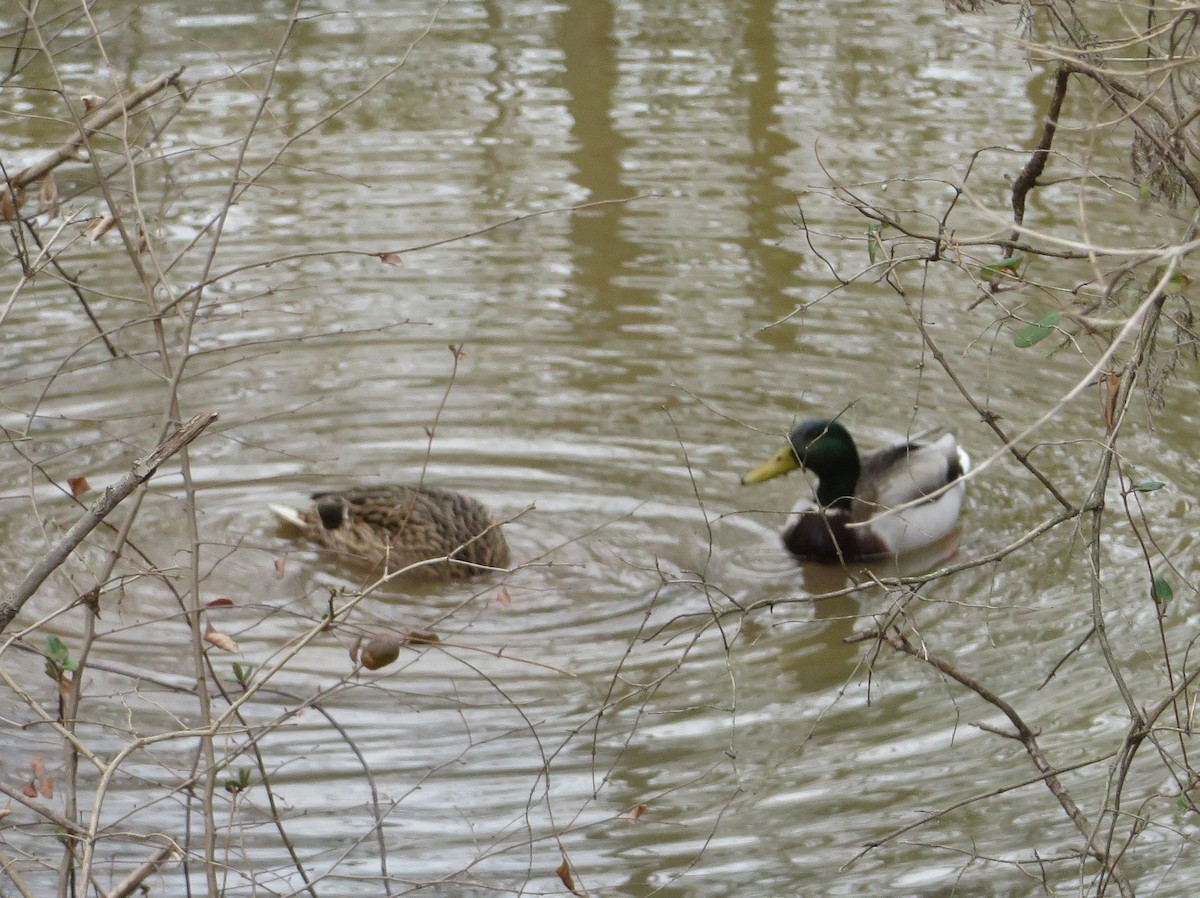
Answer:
[(392, 259)]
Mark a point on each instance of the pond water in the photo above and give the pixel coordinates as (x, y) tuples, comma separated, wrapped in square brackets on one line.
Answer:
[(623, 365)]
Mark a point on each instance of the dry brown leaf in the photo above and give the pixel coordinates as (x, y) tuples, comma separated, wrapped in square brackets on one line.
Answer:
[(458, 351), (5, 811), (380, 651), (220, 603), (142, 244), (392, 259), (421, 637), (1110, 384), (223, 641), (48, 196), (564, 873), (279, 564), (91, 600), (38, 766), (78, 485), (10, 202), (102, 227), (635, 812), (354, 647), (29, 790), (503, 597), (46, 787)]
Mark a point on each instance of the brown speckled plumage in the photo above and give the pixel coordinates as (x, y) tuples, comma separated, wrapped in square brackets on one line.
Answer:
[(393, 526)]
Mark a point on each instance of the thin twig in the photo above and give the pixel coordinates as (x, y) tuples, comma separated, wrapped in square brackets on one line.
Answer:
[(141, 471)]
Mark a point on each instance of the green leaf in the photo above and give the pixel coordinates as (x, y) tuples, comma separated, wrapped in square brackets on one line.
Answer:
[(58, 659), (57, 651), (989, 271), (873, 241), (240, 784), (1149, 486), (243, 672), (1035, 333), (1162, 592), (1177, 284)]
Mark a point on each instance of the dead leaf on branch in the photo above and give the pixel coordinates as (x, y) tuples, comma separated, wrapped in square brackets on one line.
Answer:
[(223, 641), (384, 648), (380, 651), (39, 784), (421, 637), (91, 600), (635, 812), (392, 259), (91, 101), (102, 227), (10, 202), (78, 485), (503, 598), (1110, 385), (279, 566), (220, 603), (48, 197), (564, 873)]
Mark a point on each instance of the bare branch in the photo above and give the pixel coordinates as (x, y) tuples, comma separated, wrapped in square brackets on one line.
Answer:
[(141, 471)]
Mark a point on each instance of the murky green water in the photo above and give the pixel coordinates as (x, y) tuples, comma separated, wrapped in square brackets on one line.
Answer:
[(624, 365)]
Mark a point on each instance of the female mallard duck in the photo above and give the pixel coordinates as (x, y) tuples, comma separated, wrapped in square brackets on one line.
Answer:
[(861, 491), (394, 526)]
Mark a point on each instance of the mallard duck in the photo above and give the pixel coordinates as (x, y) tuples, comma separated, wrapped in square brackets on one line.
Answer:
[(860, 490), (394, 526)]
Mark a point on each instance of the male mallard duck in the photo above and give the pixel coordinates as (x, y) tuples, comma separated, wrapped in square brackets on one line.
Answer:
[(860, 490), (393, 526)]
